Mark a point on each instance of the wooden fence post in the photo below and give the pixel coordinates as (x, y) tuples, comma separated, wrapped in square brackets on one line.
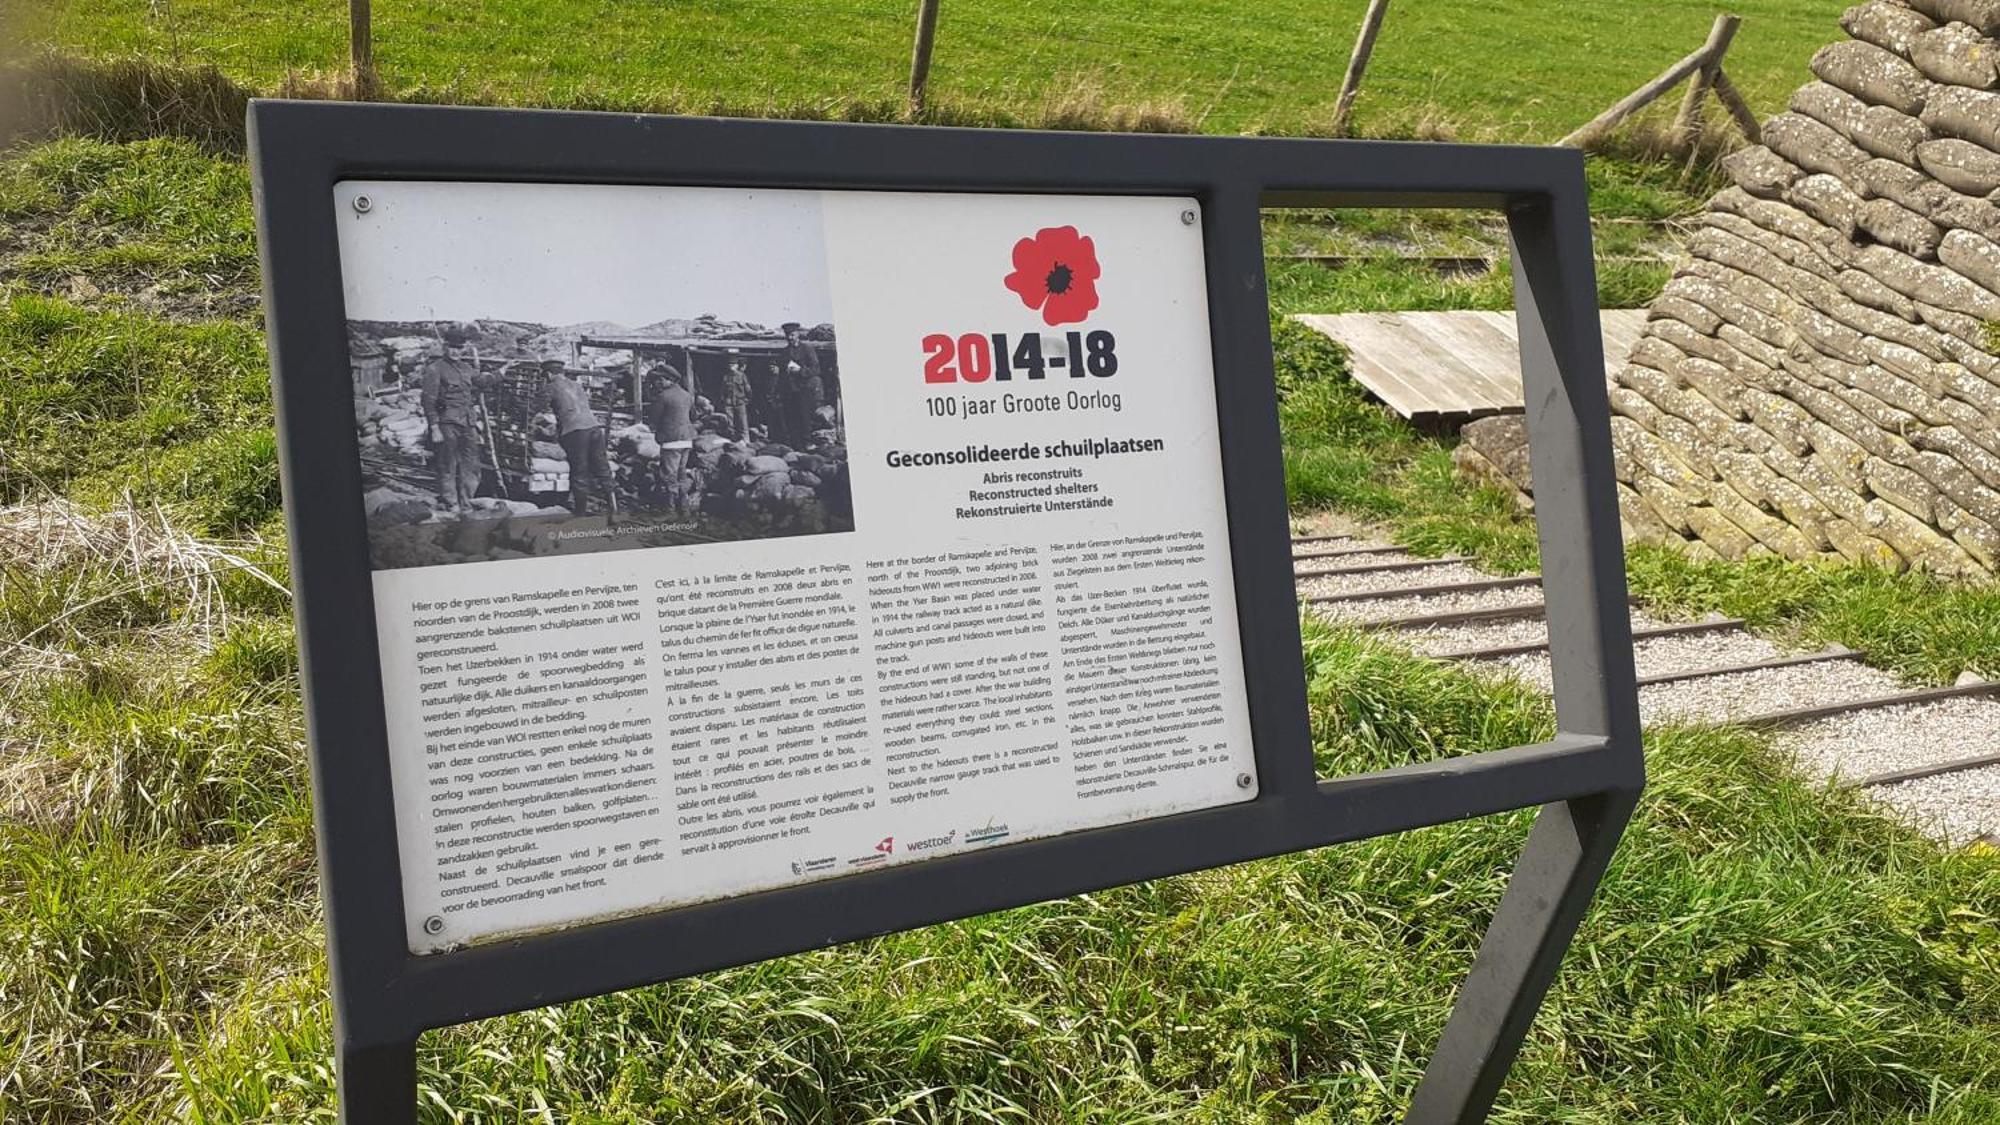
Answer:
[(361, 48), (920, 54), (1732, 100), (1707, 58), (1364, 45), (1687, 123)]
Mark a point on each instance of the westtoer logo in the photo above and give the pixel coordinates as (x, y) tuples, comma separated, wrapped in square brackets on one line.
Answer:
[(1056, 271), (929, 842)]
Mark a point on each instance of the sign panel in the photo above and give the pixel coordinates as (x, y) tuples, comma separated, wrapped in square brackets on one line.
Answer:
[(724, 539)]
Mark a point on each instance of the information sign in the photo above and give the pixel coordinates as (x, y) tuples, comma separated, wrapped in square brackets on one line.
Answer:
[(947, 568), (714, 540)]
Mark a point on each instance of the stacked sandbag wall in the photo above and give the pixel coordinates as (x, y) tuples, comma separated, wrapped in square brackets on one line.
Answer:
[(1820, 379)]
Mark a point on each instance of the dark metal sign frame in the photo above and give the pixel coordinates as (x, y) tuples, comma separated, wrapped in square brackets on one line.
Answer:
[(1585, 780)]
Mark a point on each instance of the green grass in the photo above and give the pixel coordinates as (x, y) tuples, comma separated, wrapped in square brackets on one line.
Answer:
[(155, 225), (106, 403), (1486, 71)]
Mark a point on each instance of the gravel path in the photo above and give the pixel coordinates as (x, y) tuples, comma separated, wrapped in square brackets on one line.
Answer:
[(1349, 562), (1457, 638), (1896, 738), (1379, 609), (1322, 552), (1746, 694), (1957, 807), (1439, 575), (1660, 656), (1492, 634)]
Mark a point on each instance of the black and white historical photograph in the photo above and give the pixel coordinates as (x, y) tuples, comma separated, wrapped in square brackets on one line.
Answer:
[(542, 369)]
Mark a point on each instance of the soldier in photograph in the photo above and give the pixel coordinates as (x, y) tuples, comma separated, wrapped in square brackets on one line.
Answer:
[(803, 391), (582, 438), (670, 414), (736, 397), (768, 398), (450, 399)]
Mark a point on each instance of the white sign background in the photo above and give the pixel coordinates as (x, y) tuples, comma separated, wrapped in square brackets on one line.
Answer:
[(898, 266)]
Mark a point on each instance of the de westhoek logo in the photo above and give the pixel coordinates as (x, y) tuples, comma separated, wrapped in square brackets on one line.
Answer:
[(1056, 272)]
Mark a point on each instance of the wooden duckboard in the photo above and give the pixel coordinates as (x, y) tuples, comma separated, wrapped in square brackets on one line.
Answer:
[(1447, 368)]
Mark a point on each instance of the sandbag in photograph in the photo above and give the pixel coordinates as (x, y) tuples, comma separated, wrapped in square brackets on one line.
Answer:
[(544, 369)]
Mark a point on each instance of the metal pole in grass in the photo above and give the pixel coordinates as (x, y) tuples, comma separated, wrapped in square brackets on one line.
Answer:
[(1364, 45), (920, 54)]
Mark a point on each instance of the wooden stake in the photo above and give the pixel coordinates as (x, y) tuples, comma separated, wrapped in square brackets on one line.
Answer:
[(920, 54), (1687, 123), (361, 47), (1739, 110), (1708, 56), (1364, 45)]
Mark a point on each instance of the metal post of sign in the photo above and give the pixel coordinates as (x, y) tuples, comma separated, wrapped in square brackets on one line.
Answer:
[(1562, 375), (1585, 780)]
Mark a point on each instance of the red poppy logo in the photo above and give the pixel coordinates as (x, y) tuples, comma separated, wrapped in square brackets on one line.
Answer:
[(1056, 272)]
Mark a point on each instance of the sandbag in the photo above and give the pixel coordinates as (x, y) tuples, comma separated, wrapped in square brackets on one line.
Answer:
[(1887, 25), (1866, 290), (1872, 74), (1668, 503), (1701, 291), (1876, 129), (1729, 541), (1956, 55), (1928, 283), (1783, 216), (1961, 165), (1901, 487), (1782, 418), (1889, 222), (1805, 263), (1962, 451), (1759, 171), (1699, 317), (1811, 145), (1858, 546), (1973, 256), (1979, 538), (1983, 15), (1828, 200), (1974, 115), (1966, 212), (1888, 179)]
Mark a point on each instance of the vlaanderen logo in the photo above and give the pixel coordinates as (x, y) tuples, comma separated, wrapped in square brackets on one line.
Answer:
[(1056, 271)]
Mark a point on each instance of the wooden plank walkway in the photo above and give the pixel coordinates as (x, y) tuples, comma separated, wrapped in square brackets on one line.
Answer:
[(1446, 368)]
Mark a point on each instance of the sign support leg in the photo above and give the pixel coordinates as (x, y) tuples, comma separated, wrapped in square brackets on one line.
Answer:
[(376, 1083), (1562, 374), (1552, 886)]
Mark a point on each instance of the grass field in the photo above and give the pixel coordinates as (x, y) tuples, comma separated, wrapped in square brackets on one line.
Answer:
[(1484, 70), (1763, 950)]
